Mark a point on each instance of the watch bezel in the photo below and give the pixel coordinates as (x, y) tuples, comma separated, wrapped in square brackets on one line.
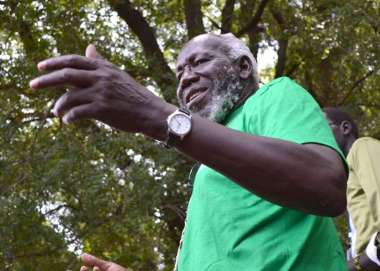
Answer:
[(172, 116)]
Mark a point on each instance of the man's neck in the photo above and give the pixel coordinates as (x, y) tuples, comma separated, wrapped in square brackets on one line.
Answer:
[(350, 141), (249, 90)]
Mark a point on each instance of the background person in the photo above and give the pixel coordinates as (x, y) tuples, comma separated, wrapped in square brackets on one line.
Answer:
[(363, 189)]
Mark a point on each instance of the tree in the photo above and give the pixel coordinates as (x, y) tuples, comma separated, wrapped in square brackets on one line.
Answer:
[(120, 196)]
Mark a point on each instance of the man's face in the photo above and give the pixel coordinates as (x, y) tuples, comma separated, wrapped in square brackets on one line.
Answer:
[(209, 83), (336, 129)]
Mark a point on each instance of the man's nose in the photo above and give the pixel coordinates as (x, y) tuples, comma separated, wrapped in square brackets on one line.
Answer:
[(188, 77)]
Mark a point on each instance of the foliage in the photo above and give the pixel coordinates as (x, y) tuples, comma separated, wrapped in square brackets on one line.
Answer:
[(64, 189)]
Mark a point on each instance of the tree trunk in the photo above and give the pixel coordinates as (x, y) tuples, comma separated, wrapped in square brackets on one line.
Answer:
[(227, 16), (158, 67), (193, 15)]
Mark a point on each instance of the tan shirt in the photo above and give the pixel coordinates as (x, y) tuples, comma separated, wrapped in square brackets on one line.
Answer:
[(363, 190)]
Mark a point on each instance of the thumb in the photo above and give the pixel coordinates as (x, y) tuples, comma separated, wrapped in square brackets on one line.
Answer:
[(91, 261), (91, 52)]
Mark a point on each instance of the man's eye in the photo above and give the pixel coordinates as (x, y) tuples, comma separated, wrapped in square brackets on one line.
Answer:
[(200, 61), (179, 75)]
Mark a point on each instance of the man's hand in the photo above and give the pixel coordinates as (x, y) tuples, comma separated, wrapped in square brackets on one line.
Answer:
[(365, 264), (90, 261), (102, 91)]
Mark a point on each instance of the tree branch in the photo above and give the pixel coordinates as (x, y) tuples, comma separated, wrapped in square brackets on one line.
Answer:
[(310, 87), (52, 211), (283, 45), (7, 87), (373, 105), (255, 20), (227, 16), (193, 16), (18, 181), (178, 211), (215, 24), (158, 67), (293, 69), (278, 17), (281, 59), (355, 85)]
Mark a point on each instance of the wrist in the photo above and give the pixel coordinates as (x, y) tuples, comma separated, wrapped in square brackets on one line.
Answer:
[(179, 125), (155, 125), (371, 250), (357, 264)]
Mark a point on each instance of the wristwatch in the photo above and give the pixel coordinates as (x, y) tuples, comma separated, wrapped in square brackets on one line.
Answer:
[(179, 125)]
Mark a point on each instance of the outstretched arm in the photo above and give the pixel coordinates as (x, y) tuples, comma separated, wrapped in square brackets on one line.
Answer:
[(309, 178)]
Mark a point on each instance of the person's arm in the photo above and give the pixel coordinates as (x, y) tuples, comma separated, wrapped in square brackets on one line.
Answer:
[(310, 178), (365, 264), (368, 259)]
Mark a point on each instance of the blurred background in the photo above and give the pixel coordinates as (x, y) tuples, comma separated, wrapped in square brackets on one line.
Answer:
[(65, 189)]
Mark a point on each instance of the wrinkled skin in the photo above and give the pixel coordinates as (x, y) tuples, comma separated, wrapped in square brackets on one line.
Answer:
[(101, 91), (204, 66)]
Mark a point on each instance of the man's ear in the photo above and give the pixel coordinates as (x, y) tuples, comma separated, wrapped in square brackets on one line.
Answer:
[(245, 67), (345, 127)]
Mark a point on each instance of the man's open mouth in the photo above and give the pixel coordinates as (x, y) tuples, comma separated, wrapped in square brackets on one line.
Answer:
[(195, 95)]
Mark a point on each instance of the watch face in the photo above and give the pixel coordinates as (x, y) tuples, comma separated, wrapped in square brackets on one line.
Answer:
[(180, 124)]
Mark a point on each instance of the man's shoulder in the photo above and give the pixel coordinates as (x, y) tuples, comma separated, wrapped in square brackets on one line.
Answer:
[(280, 80), (363, 146), (363, 156), (366, 140), (280, 85), (277, 90), (283, 81)]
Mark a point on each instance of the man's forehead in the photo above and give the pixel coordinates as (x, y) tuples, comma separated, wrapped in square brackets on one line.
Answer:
[(200, 44)]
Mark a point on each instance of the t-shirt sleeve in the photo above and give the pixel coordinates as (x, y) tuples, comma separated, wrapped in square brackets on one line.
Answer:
[(286, 111)]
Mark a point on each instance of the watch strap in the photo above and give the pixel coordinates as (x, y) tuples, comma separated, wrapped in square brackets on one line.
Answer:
[(185, 110)]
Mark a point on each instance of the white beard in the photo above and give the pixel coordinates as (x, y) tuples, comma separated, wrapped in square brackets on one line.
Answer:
[(225, 95)]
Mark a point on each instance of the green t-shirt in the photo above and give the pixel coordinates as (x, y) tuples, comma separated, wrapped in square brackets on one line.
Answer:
[(230, 229)]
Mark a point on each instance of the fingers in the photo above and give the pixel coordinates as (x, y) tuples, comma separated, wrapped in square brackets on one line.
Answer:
[(90, 260), (85, 268), (68, 61), (66, 76), (71, 99), (91, 52), (84, 111)]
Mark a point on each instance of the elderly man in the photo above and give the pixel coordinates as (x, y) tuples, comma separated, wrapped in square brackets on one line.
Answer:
[(271, 169), (363, 189)]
